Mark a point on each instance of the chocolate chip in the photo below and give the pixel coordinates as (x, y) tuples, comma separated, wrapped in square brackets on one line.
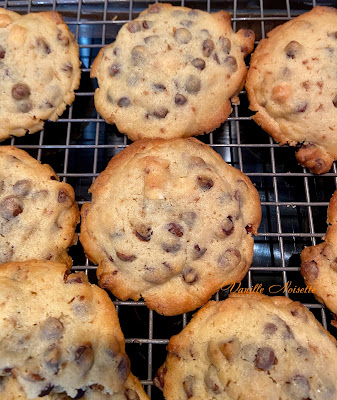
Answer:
[(22, 187), (124, 102), (334, 101), (198, 63), (51, 329), (171, 248), (123, 367), (207, 47), (193, 14), (182, 36), (179, 99), (80, 394), (138, 55), (159, 87), (264, 358), (46, 390), (175, 229), (269, 329), (189, 218), (114, 69), (74, 278), (154, 9), (131, 395), (68, 67), (52, 358), (62, 196), (292, 49), (231, 64), (193, 84), (190, 276), (132, 80), (43, 45), (159, 379), (249, 228), (2, 52), (230, 349), (230, 258), (33, 377), (216, 58), (143, 233), (148, 24), (204, 33), (157, 274), (298, 387), (125, 257), (161, 112), (188, 384), (11, 207), (20, 91), (228, 226), (109, 98), (150, 40), (198, 252), (84, 357), (134, 26), (301, 107), (24, 107), (205, 183), (212, 380), (6, 371), (310, 270), (186, 23), (63, 39)]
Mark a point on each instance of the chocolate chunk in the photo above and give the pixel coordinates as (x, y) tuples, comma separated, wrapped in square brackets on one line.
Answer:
[(188, 384), (292, 49), (51, 329), (143, 233), (22, 188), (310, 270), (298, 387), (84, 357), (231, 64), (205, 183), (230, 258), (182, 36), (198, 63), (125, 257), (171, 248), (124, 102), (131, 395), (212, 380), (193, 84), (198, 252), (207, 47), (43, 45), (190, 275), (62, 196), (264, 358), (46, 390), (63, 39), (20, 91), (159, 87), (179, 99), (138, 55), (114, 69), (11, 207), (2, 52), (189, 218), (134, 26), (160, 113), (175, 229), (228, 226), (334, 101), (269, 329)]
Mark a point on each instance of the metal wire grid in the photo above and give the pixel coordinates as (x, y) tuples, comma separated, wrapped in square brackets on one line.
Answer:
[(79, 145)]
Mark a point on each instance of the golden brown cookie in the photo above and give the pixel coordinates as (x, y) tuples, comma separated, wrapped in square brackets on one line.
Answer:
[(292, 86), (171, 72), (171, 222), (251, 347), (39, 70)]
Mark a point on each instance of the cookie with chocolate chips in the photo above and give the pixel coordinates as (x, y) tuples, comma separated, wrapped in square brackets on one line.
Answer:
[(38, 214), (319, 263), (292, 85), (171, 72), (254, 347), (171, 222), (39, 70), (60, 336)]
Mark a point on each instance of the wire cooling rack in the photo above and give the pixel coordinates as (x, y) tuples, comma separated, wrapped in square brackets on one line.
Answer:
[(80, 144)]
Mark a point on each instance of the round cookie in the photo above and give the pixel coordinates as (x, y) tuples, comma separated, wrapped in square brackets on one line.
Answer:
[(38, 214), (292, 85), (171, 222), (254, 347), (319, 263), (171, 72), (59, 333), (39, 70)]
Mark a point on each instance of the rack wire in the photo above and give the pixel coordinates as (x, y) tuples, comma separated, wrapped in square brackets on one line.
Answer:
[(80, 144)]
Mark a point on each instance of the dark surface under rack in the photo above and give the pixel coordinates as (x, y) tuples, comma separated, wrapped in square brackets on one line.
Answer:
[(80, 144)]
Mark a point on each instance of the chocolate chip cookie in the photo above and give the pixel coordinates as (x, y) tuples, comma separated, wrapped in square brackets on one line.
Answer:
[(293, 87), (38, 214), (39, 70), (252, 347), (60, 334), (171, 222), (171, 72), (319, 263)]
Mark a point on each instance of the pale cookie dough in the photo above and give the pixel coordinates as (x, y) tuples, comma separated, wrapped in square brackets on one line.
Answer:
[(171, 72), (251, 347), (60, 335), (39, 70), (293, 87), (171, 222), (38, 214)]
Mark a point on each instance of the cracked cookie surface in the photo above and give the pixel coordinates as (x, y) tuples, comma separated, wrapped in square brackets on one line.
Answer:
[(254, 347), (39, 70), (38, 214), (292, 85), (171, 222), (171, 72), (60, 335)]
